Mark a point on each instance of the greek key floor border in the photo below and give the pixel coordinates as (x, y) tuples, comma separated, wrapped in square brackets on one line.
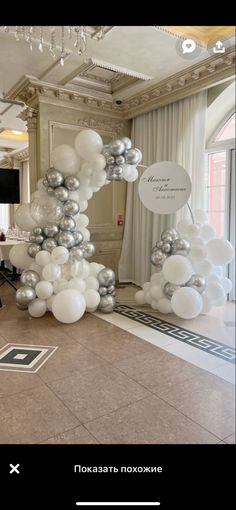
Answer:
[(196, 340)]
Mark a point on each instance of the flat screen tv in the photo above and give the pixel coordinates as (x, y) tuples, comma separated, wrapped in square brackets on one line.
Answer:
[(9, 186)]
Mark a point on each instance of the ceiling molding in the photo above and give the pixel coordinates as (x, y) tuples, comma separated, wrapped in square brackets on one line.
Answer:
[(205, 74), (191, 80)]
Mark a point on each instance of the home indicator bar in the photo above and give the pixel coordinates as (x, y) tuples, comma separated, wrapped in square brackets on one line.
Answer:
[(118, 503)]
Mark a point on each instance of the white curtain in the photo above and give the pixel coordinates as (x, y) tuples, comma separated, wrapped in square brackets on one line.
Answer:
[(25, 182), (175, 132), (4, 217)]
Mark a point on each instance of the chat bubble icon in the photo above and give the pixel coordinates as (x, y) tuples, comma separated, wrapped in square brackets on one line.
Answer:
[(188, 46)]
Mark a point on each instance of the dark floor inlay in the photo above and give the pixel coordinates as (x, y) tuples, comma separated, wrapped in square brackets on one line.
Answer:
[(201, 342), (24, 358)]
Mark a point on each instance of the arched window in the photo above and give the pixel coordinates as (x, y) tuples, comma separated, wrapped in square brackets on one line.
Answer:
[(219, 159)]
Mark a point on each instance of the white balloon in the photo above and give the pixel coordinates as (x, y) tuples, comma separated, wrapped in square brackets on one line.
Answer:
[(213, 277), (130, 173), (74, 268), (177, 269), (77, 283), (203, 268), (83, 269), (19, 256), (92, 298), (164, 305), (206, 304), (182, 226), (60, 255), (51, 272), (193, 230), (60, 285), (186, 303), (37, 308), (36, 268), (148, 297), (85, 193), (207, 232), (74, 195), (65, 159), (43, 258), (83, 205), (85, 233), (146, 286), (87, 143), (97, 161), (156, 292), (156, 278), (139, 297), (94, 268), (81, 220), (200, 216), (68, 306), (197, 241), (220, 252), (197, 252), (214, 291), (227, 285), (154, 304), (44, 289), (46, 211), (40, 184), (98, 179), (66, 271), (92, 283), (86, 169), (23, 218), (49, 302), (220, 301)]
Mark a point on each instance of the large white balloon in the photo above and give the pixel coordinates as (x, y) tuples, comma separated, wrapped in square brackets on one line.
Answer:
[(186, 303), (87, 143), (177, 269), (46, 211), (98, 162), (220, 252), (68, 306), (65, 159), (51, 272), (19, 256), (43, 258), (23, 218), (92, 298)]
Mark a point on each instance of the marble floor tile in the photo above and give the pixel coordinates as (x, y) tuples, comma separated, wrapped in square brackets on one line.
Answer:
[(79, 435), (226, 371), (230, 439), (16, 382)]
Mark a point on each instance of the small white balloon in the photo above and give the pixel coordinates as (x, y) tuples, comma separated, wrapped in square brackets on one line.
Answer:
[(37, 308), (98, 162), (139, 297), (83, 205), (214, 291), (177, 269), (92, 298), (65, 159), (156, 292), (193, 230), (200, 216), (19, 256), (220, 252), (51, 272), (203, 268), (44, 289), (182, 226), (81, 220), (43, 258), (77, 283), (94, 268), (164, 305), (207, 232), (130, 173), (92, 283), (60, 285), (146, 286), (83, 269), (148, 297), (186, 303), (68, 306), (49, 302), (227, 285), (85, 232), (87, 143), (206, 304), (60, 255)]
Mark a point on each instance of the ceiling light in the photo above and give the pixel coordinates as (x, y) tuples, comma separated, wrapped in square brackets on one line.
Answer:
[(57, 37), (17, 132)]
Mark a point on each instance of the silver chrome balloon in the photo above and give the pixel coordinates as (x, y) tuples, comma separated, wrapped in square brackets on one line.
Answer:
[(50, 230), (78, 237), (66, 238), (158, 258), (107, 303), (61, 193), (102, 290), (50, 190), (180, 247), (110, 160), (24, 295), (32, 238), (166, 248), (22, 307), (111, 289), (71, 207), (71, 182), (159, 244), (33, 249), (117, 170), (120, 160), (49, 244), (45, 182), (106, 277), (106, 150), (117, 147), (127, 142), (197, 282), (37, 231), (117, 177), (169, 289), (54, 177), (29, 278), (132, 157), (39, 239), (169, 235), (89, 249), (76, 254), (67, 223)]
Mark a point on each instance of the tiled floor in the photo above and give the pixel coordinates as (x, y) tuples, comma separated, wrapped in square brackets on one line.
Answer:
[(108, 383)]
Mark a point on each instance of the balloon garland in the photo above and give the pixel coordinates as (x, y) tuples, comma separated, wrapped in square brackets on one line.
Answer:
[(189, 277), (57, 276)]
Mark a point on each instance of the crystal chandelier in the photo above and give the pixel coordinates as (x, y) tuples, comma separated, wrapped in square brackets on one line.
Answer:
[(55, 37)]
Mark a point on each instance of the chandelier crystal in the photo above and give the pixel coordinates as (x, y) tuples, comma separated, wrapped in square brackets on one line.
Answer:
[(57, 36)]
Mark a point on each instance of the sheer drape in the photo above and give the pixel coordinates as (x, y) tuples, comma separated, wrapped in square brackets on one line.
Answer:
[(175, 132)]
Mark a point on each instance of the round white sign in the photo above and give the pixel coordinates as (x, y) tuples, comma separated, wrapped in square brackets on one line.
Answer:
[(164, 187)]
